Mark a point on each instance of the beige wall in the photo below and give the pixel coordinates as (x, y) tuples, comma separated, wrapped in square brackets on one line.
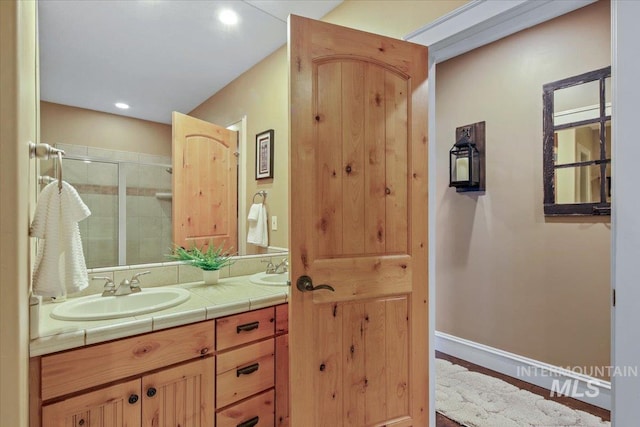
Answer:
[(18, 125), (79, 126), (506, 276), (261, 94)]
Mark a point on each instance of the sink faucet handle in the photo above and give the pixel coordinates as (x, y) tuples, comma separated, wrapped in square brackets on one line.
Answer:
[(134, 283), (134, 278), (283, 266), (109, 287), (108, 283), (270, 266)]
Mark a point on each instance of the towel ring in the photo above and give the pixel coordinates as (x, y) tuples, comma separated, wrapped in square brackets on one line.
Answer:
[(59, 171), (260, 193)]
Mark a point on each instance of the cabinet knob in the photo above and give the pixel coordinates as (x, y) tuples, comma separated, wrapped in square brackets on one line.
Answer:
[(133, 398), (151, 392)]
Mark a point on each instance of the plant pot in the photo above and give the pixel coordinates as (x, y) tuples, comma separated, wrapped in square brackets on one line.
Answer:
[(210, 277)]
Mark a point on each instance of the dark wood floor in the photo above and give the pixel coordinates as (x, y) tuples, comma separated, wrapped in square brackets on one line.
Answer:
[(442, 421)]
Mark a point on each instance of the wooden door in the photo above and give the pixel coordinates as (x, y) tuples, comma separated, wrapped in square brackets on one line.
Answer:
[(205, 184), (282, 380), (115, 406), (180, 396), (358, 215)]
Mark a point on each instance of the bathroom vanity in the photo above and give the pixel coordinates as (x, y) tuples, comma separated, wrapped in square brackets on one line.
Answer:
[(228, 369)]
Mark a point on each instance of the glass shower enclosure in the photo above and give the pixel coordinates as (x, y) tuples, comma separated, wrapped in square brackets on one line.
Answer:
[(129, 195)]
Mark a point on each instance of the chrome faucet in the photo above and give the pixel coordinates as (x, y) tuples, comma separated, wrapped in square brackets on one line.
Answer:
[(132, 286), (282, 267), (126, 287)]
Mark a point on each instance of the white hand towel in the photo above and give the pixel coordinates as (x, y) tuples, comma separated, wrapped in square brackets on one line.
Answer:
[(258, 233), (60, 267), (254, 212)]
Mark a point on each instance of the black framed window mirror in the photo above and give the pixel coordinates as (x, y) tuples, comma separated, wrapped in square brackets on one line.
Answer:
[(577, 144)]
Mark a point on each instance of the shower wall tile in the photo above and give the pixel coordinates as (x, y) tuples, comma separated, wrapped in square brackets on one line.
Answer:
[(103, 174), (148, 219), (154, 159), (75, 171), (101, 153), (73, 150)]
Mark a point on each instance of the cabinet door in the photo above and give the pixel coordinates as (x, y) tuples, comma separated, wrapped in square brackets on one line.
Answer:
[(115, 406), (180, 396)]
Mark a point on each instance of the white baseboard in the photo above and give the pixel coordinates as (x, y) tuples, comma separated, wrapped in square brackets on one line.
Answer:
[(582, 387)]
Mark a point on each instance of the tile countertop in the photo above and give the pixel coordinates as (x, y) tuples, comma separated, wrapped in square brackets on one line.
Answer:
[(231, 295)]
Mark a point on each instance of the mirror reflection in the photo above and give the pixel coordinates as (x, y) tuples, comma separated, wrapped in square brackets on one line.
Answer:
[(129, 193), (119, 164), (580, 144), (114, 185)]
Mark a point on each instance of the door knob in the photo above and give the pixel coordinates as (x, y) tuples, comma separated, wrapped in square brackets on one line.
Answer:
[(305, 284)]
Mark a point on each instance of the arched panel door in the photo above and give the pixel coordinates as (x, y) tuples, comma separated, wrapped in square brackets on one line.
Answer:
[(205, 184), (358, 225)]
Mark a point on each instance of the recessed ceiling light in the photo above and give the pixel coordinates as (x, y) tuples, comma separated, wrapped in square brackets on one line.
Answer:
[(122, 105), (228, 17)]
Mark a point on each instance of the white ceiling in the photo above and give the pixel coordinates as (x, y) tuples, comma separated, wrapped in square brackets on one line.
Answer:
[(158, 56)]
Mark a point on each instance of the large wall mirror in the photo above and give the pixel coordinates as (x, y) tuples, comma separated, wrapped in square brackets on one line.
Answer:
[(122, 166), (577, 144)]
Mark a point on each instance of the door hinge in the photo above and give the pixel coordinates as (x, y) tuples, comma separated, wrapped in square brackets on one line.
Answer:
[(614, 297)]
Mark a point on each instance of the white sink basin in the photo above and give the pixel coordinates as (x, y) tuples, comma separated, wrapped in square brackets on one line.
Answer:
[(97, 307), (262, 278)]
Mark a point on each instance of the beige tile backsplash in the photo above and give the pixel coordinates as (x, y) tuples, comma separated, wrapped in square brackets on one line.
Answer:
[(173, 272)]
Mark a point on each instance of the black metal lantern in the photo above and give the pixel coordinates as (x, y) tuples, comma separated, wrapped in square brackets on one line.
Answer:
[(466, 160)]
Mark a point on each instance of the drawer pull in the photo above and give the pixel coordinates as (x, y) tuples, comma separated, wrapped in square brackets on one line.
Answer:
[(248, 369), (247, 327), (249, 423)]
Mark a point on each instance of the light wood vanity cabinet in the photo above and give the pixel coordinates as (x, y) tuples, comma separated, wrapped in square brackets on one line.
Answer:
[(163, 378), (179, 396), (171, 377)]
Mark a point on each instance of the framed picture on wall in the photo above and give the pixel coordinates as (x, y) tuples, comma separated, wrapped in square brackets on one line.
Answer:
[(264, 154)]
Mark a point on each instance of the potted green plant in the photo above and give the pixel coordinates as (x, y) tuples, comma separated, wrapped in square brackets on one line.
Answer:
[(209, 260)]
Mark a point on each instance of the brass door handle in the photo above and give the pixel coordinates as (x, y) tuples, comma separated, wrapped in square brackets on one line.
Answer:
[(305, 284)]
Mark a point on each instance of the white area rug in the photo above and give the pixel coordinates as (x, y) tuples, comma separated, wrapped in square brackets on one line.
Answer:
[(478, 400)]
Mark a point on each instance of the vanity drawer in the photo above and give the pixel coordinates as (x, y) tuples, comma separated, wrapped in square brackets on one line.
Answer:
[(243, 372), (257, 411), (238, 329), (73, 370)]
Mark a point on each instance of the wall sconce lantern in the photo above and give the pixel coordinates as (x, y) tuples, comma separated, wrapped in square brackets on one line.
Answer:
[(467, 160)]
